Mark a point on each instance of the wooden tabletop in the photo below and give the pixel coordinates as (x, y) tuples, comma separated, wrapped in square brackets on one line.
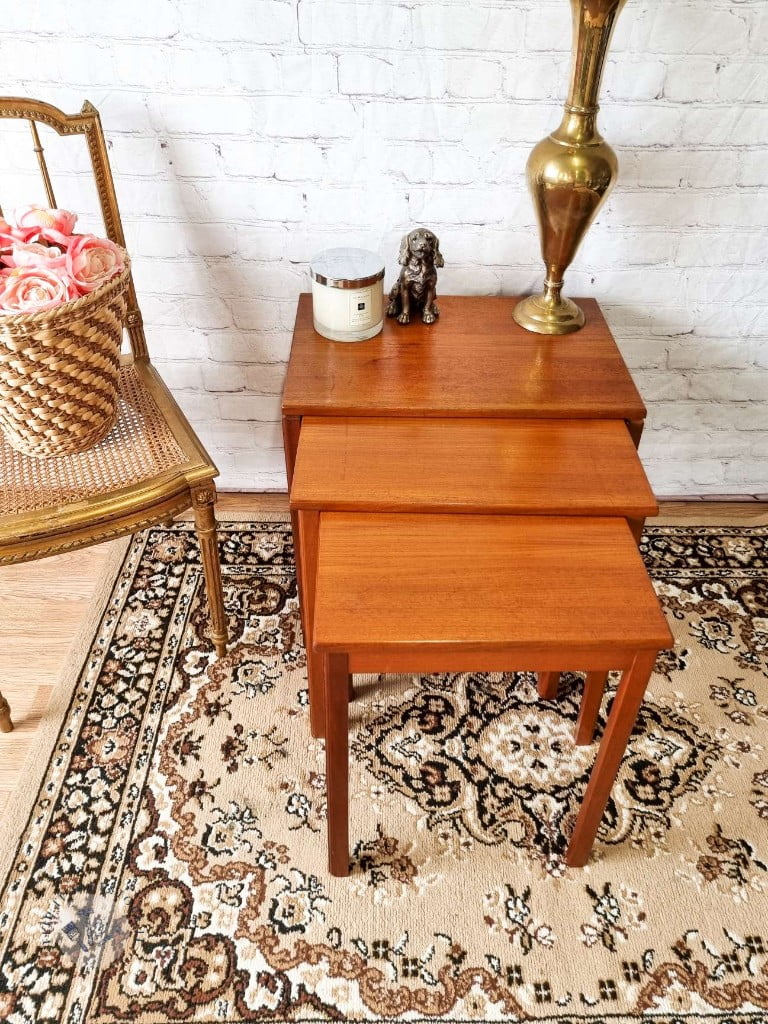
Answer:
[(474, 361), (404, 464), (456, 583)]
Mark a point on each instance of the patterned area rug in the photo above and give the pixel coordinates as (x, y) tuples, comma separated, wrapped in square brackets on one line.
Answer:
[(171, 860)]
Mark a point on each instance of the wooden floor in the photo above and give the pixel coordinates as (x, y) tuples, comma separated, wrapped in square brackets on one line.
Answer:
[(43, 604)]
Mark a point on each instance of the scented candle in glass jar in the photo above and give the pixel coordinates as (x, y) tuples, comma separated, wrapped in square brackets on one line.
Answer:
[(347, 294)]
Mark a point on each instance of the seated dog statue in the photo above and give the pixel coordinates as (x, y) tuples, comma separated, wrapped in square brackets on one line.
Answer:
[(416, 286)]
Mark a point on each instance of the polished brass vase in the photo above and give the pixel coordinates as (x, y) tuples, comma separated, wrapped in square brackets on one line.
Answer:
[(571, 171)]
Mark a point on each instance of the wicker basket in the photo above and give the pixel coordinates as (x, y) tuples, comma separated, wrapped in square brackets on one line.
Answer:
[(59, 371)]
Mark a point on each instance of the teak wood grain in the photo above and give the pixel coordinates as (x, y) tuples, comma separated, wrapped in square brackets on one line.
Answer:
[(398, 582), (474, 361), (559, 467)]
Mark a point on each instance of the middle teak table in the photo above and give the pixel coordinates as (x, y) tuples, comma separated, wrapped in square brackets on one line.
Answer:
[(467, 466)]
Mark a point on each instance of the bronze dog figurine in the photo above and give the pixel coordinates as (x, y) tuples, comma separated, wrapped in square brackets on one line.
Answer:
[(416, 286)]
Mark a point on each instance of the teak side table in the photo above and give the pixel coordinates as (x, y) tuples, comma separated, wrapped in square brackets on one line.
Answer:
[(397, 593)]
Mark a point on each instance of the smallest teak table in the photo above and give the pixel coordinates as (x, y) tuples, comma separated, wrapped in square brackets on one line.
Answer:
[(402, 593)]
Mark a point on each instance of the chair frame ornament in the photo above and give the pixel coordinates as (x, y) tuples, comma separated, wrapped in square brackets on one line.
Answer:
[(30, 535)]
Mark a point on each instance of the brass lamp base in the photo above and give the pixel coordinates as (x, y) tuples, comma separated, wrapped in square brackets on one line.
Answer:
[(548, 314)]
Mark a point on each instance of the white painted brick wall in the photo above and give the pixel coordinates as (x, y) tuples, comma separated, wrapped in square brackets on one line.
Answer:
[(248, 134)]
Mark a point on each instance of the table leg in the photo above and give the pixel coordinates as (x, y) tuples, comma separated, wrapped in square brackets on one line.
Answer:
[(307, 533), (590, 706), (291, 431), (635, 428), (626, 705), (636, 526), (548, 683), (336, 686)]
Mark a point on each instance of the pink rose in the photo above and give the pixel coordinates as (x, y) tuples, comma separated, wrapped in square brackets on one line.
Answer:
[(10, 235), (32, 254), (91, 261), (32, 289), (6, 238), (40, 222)]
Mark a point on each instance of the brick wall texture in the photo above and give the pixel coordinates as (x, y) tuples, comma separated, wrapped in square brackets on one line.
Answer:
[(246, 135)]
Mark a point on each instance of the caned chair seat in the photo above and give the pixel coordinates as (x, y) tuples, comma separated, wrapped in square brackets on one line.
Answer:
[(148, 469), (143, 472), (140, 446)]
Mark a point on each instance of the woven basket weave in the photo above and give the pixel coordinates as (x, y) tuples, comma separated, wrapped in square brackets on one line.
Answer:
[(59, 371)]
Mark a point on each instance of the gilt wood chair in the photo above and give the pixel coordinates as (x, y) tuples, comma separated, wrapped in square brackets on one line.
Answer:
[(150, 467)]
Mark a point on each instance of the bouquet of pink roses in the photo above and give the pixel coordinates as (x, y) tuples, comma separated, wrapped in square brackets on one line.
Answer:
[(46, 265), (63, 301)]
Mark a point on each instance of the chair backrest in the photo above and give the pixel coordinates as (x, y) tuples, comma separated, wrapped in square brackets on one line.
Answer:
[(87, 123)]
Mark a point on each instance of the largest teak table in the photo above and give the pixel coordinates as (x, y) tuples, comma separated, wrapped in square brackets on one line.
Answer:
[(475, 361)]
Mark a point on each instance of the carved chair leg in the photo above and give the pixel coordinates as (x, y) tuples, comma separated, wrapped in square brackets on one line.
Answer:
[(204, 500), (6, 725)]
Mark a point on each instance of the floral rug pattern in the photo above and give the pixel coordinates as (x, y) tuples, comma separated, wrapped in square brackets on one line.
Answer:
[(173, 865)]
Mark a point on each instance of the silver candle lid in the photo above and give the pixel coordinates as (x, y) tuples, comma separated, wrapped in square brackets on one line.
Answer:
[(346, 268)]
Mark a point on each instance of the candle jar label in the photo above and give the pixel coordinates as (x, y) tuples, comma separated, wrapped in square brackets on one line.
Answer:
[(361, 312)]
